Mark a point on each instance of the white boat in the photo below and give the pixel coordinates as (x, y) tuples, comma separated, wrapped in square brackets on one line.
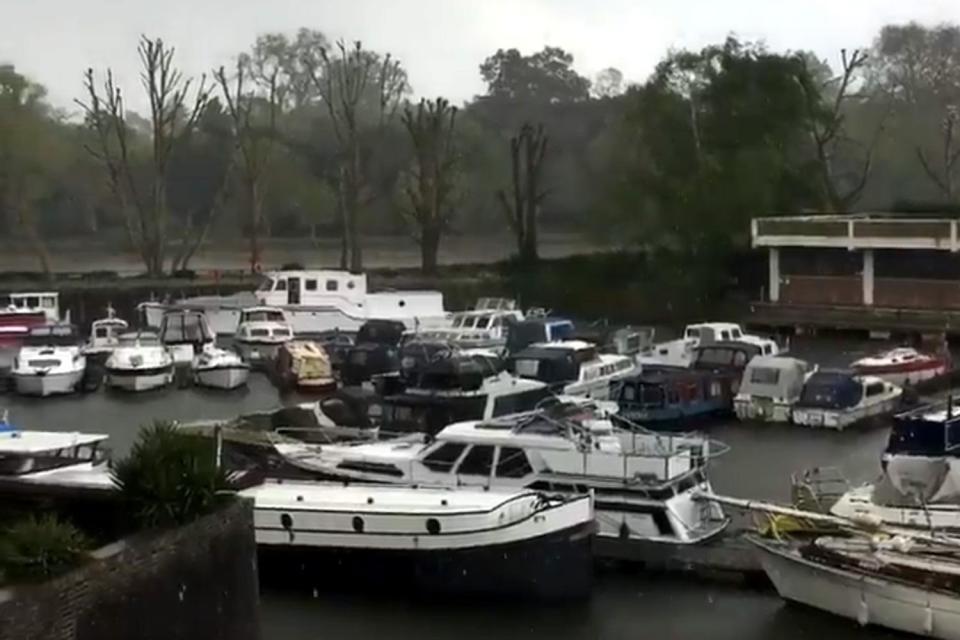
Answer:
[(260, 333), (139, 363), (770, 386), (315, 301), (186, 333), (837, 399), (219, 369), (903, 366), (104, 335), (22, 311), (679, 352), (47, 459), (50, 362), (643, 483), (883, 587), (573, 367), (483, 327), (511, 543)]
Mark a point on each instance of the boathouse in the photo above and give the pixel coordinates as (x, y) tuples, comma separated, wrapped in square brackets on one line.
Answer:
[(881, 272)]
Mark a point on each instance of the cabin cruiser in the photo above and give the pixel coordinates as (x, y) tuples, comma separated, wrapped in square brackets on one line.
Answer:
[(483, 327), (185, 333), (457, 388), (304, 365), (315, 301), (662, 398), (50, 362), (903, 366), (23, 311), (538, 329), (838, 399), (104, 336), (770, 386), (139, 363), (643, 483), (260, 333), (37, 460), (439, 541), (680, 352), (218, 368), (376, 351), (572, 367)]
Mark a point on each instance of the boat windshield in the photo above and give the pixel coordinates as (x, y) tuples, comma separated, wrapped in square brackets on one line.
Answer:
[(266, 285), (184, 327), (143, 339), (264, 315), (830, 391), (52, 336), (16, 465)]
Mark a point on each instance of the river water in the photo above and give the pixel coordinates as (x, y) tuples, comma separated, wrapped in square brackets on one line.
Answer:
[(627, 604)]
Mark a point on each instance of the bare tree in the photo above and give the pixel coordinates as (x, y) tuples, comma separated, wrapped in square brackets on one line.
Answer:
[(942, 170), (430, 186), (347, 82), (527, 152), (254, 128), (173, 118), (825, 101)]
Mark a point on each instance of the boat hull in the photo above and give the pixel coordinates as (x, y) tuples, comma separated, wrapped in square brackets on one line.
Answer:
[(554, 566), (861, 596), (760, 411), (226, 377), (48, 384), (843, 418), (257, 354), (139, 380)]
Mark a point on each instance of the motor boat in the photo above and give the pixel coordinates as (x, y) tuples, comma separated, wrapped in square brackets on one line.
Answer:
[(903, 366), (376, 351), (839, 399), (314, 301), (305, 366), (104, 336), (680, 352), (538, 329), (23, 311), (672, 398), (139, 363), (572, 367), (443, 542), (770, 386), (218, 368), (185, 333), (41, 460), (643, 483), (50, 362), (260, 333), (484, 327)]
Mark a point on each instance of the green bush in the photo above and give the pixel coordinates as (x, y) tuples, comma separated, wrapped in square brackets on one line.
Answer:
[(169, 477), (41, 546)]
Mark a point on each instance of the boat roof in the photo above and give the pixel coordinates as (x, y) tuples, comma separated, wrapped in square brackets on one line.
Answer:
[(660, 374), (24, 294), (783, 363), (119, 322), (563, 345), (333, 496), (261, 308), (314, 273), (33, 442), (721, 326)]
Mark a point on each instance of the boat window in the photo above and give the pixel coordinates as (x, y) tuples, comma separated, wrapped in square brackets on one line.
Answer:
[(477, 462), (764, 375), (526, 367), (736, 334), (33, 301), (332, 285), (281, 285), (714, 356), (259, 333), (310, 284), (49, 302), (660, 519), (43, 363), (724, 335), (628, 393), (693, 333), (652, 395), (519, 402), (496, 322), (100, 332), (281, 333), (739, 359), (483, 322), (442, 459), (457, 321), (767, 349), (265, 285), (673, 397), (874, 389), (513, 463)]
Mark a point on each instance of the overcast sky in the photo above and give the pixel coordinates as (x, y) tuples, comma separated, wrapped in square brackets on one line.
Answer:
[(440, 42)]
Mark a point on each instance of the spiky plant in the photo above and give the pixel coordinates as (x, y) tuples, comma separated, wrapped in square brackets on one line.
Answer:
[(41, 546), (169, 477)]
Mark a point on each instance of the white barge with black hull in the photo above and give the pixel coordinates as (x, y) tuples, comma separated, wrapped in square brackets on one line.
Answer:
[(432, 541)]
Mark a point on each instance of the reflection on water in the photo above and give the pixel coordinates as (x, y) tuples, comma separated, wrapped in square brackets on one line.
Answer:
[(626, 605)]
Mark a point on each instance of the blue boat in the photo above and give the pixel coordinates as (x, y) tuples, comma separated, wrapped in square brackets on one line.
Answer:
[(673, 397)]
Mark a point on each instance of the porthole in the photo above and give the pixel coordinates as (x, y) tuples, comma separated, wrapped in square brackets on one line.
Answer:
[(286, 521), (433, 526), (402, 303), (358, 524), (350, 284)]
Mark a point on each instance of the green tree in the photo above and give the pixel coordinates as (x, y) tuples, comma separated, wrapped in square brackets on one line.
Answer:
[(41, 546), (431, 183), (546, 76)]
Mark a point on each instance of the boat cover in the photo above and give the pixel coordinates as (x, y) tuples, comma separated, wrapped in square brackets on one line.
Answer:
[(831, 390)]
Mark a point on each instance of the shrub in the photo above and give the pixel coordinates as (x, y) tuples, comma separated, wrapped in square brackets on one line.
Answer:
[(41, 546), (169, 477)]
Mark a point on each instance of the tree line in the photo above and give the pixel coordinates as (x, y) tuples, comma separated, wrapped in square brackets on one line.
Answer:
[(300, 136)]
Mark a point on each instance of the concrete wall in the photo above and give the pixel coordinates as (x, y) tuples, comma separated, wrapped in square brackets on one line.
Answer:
[(909, 293), (829, 290), (197, 582)]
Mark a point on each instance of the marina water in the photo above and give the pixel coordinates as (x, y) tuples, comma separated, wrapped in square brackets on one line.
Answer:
[(627, 602)]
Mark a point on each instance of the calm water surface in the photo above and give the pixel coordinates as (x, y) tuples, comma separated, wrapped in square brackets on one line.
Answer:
[(626, 604)]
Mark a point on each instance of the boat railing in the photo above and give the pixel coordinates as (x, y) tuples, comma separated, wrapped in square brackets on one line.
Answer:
[(817, 489)]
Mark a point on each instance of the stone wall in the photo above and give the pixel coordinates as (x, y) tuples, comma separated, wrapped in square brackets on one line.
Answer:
[(197, 582)]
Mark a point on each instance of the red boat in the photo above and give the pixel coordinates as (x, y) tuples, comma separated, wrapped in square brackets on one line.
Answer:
[(26, 310), (903, 366)]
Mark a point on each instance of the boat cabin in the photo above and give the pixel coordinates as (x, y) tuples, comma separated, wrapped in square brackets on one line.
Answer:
[(53, 335), (182, 327), (106, 331), (711, 332), (572, 366), (295, 288), (732, 356), (45, 302), (774, 377), (262, 314), (538, 330), (662, 395), (931, 430), (836, 390), (27, 452)]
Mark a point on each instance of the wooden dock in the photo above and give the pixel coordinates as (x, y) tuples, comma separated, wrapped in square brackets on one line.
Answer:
[(792, 317)]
